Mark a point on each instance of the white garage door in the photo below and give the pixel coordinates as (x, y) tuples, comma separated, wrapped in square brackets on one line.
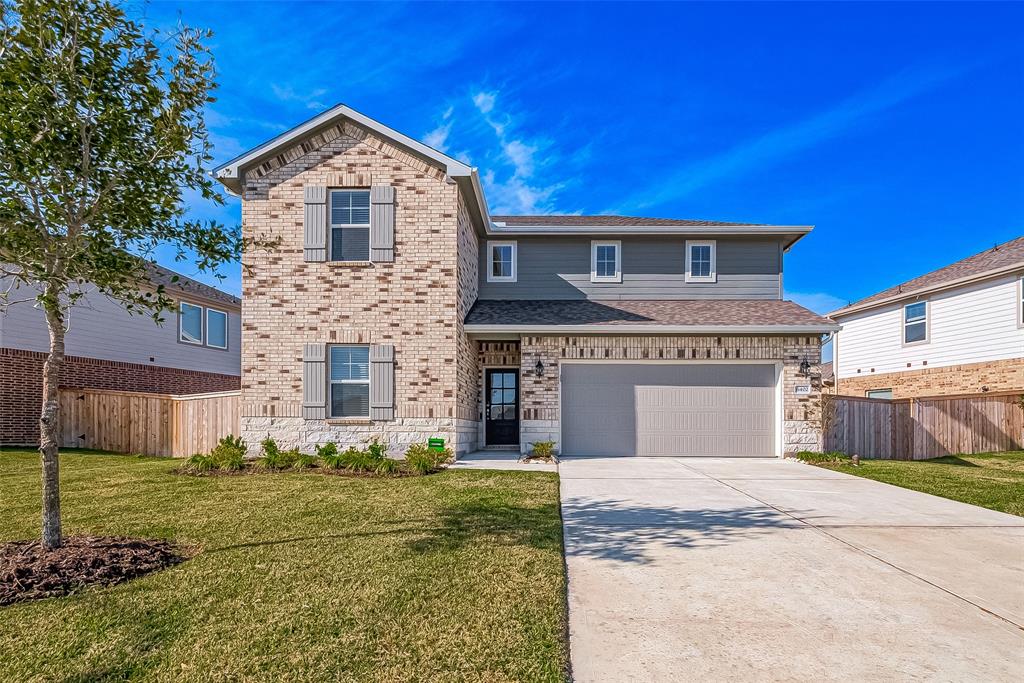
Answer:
[(715, 410)]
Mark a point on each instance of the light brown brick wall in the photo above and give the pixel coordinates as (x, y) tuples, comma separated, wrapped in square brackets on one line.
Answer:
[(413, 303), (973, 378), (540, 396)]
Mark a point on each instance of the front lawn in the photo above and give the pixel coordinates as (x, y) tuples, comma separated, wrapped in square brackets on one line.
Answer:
[(298, 577), (991, 480)]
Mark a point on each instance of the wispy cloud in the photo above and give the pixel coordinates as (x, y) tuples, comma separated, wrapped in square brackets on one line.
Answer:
[(785, 141), (310, 99), (819, 302), (438, 138)]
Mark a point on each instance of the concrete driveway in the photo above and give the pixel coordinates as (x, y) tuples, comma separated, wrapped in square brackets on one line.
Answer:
[(709, 569)]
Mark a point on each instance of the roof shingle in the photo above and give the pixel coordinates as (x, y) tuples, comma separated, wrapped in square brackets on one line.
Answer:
[(1004, 255), (696, 313)]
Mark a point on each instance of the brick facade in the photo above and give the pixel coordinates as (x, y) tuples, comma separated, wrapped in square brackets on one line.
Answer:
[(540, 395), (413, 303), (973, 378), (21, 386)]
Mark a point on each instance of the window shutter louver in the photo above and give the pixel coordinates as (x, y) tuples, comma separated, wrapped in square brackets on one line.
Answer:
[(382, 223), (314, 381), (315, 223), (382, 382)]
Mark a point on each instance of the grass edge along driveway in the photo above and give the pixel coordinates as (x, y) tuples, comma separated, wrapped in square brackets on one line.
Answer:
[(299, 577), (990, 480)]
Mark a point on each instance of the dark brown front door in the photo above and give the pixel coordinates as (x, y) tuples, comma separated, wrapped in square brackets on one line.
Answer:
[(502, 406)]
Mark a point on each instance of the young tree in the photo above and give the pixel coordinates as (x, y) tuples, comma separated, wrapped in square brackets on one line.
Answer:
[(101, 133)]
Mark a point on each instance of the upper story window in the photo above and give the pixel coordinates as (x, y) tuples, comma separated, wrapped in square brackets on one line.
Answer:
[(501, 262), (202, 326), (700, 261), (349, 374), (350, 225), (606, 261), (915, 322)]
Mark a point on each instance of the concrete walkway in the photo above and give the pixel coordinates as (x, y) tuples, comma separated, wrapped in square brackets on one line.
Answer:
[(771, 570), (500, 460)]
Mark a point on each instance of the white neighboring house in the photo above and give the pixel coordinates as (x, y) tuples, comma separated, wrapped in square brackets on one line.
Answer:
[(956, 330), (197, 349)]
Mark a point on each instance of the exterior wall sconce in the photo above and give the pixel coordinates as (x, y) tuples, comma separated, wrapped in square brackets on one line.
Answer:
[(538, 369), (805, 368)]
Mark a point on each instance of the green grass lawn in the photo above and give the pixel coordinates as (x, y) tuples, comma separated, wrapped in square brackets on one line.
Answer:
[(456, 576), (991, 480)]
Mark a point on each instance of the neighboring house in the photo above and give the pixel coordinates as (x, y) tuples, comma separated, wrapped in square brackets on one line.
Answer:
[(195, 350), (956, 330), (828, 378), (397, 307)]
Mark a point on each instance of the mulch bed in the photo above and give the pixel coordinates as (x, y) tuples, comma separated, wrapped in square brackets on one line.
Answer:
[(30, 572), (340, 472)]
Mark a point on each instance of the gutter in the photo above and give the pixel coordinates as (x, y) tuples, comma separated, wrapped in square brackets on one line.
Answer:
[(651, 329), (950, 284)]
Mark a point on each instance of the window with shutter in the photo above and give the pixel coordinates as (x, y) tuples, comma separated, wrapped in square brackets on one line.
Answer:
[(350, 225)]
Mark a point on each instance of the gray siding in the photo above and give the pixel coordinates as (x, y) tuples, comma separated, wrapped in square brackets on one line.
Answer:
[(652, 268), (100, 328)]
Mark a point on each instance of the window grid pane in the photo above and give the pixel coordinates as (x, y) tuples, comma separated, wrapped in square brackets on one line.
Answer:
[(216, 328), (191, 323), (350, 207), (605, 260), (700, 261), (501, 261)]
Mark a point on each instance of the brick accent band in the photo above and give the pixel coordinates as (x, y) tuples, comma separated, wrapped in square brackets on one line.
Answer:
[(21, 386), (950, 380)]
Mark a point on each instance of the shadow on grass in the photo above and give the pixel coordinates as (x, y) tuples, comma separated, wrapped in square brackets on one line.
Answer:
[(951, 460)]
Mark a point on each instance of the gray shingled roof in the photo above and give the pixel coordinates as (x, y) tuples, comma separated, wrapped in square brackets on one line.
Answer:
[(611, 221), (697, 313), (1005, 255), (186, 285)]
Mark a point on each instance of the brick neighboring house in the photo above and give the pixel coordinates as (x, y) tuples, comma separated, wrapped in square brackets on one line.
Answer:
[(196, 350), (955, 330), (397, 307)]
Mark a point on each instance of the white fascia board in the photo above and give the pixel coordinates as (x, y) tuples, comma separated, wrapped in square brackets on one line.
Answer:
[(230, 171), (794, 230), (922, 291), (651, 329)]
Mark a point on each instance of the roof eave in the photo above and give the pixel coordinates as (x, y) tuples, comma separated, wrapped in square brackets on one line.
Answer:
[(923, 291), (818, 328), (796, 231)]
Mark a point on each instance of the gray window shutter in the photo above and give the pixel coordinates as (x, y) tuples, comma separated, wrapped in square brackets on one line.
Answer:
[(382, 223), (315, 223), (314, 381), (382, 382)]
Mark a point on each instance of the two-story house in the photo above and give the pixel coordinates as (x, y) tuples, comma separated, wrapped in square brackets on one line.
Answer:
[(955, 330), (195, 350), (397, 307)]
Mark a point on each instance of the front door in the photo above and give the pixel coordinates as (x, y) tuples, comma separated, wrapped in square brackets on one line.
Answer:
[(502, 407)]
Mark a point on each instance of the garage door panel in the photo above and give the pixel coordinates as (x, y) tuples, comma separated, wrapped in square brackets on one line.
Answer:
[(668, 409)]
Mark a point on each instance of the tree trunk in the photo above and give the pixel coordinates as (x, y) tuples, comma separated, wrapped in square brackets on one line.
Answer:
[(49, 424)]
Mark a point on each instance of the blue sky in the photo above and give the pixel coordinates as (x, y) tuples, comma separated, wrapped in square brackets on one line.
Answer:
[(895, 129)]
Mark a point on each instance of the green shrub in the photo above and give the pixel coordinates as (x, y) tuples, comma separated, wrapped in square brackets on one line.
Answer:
[(302, 461), (356, 460), (378, 451), (273, 457), (386, 466), (543, 449), (200, 463), (329, 456), (814, 457), (229, 454), (420, 459)]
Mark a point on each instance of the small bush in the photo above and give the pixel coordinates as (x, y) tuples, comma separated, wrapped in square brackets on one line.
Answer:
[(329, 456), (542, 449), (302, 461), (356, 460), (386, 466), (273, 457), (200, 463), (229, 454), (378, 451), (815, 458), (420, 459)]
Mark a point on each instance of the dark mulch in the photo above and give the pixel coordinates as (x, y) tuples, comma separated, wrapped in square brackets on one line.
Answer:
[(30, 572)]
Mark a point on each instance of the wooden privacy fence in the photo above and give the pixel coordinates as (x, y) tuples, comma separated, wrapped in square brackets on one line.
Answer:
[(151, 424), (920, 428)]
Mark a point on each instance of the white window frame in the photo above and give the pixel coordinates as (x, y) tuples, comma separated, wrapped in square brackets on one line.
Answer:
[(491, 277), (927, 323), (202, 324), (369, 389), (331, 225), (206, 328), (867, 394), (1020, 301), (617, 277), (713, 277)]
